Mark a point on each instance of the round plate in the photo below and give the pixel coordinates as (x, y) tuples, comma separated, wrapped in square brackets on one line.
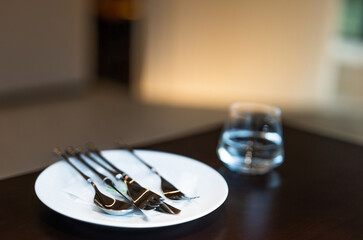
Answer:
[(62, 189)]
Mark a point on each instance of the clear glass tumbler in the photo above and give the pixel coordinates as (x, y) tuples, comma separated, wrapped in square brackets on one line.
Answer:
[(251, 141)]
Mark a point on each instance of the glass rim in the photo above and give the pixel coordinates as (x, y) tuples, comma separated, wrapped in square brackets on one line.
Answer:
[(250, 107)]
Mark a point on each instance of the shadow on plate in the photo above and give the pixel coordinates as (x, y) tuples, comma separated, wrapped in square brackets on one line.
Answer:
[(63, 226)]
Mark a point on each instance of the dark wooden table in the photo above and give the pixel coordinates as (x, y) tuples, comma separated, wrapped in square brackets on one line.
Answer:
[(316, 194)]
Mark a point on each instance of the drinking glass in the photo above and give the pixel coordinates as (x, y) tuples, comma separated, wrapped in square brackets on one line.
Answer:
[(251, 141)]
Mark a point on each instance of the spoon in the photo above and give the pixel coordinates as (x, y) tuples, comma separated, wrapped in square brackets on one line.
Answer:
[(107, 204)]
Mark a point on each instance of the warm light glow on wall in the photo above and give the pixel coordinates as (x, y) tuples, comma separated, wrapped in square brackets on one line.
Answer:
[(209, 53)]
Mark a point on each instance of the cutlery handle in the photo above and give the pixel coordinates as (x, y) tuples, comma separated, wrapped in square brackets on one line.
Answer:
[(92, 148), (71, 152), (81, 150), (58, 152), (123, 145), (119, 174)]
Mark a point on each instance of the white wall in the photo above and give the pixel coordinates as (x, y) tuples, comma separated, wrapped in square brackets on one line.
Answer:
[(45, 43), (213, 52)]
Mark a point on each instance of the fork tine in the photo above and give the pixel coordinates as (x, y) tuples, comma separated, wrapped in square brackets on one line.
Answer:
[(152, 204), (170, 191), (168, 208), (157, 200)]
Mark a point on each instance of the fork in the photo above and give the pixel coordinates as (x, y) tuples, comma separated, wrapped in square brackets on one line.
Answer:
[(141, 197), (168, 189)]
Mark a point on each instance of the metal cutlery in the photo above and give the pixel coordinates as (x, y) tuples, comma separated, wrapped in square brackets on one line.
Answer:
[(105, 203), (142, 197), (106, 180), (168, 189)]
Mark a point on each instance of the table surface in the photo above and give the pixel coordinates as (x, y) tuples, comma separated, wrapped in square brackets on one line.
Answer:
[(315, 194)]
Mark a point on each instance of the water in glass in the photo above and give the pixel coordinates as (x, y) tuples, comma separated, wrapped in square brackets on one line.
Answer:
[(250, 151)]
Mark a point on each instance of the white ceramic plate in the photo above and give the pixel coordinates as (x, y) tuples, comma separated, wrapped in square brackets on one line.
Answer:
[(62, 189)]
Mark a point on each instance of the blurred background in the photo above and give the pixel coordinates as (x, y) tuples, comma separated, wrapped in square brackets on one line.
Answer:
[(149, 70)]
